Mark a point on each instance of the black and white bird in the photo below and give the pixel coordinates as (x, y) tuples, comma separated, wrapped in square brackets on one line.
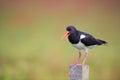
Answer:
[(82, 40)]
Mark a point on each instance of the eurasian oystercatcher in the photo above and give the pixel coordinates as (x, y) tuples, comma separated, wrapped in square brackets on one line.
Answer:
[(82, 40)]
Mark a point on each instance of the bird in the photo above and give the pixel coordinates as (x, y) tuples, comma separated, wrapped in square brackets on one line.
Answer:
[(82, 41)]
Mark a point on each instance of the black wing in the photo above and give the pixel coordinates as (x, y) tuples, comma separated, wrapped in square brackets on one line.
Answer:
[(89, 40)]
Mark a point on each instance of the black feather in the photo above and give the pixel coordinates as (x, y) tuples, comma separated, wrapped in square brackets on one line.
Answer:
[(101, 41)]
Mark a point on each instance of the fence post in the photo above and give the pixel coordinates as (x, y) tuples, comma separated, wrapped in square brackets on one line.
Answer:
[(78, 72)]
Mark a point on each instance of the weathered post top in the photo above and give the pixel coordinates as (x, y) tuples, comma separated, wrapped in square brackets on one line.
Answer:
[(79, 72)]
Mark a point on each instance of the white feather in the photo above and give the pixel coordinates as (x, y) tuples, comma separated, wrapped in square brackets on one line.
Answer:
[(82, 36)]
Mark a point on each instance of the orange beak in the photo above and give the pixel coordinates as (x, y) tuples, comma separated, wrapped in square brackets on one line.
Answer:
[(66, 35)]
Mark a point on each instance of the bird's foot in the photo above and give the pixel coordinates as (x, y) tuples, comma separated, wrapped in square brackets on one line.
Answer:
[(82, 64), (76, 65), (79, 64)]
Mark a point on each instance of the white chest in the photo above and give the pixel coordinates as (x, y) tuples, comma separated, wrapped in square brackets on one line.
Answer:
[(79, 46)]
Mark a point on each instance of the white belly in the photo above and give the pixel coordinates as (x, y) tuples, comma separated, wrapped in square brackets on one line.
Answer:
[(80, 46)]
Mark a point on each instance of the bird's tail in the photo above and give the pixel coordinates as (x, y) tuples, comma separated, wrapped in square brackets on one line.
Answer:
[(102, 42)]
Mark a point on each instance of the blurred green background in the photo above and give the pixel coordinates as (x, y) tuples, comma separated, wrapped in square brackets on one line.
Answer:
[(30, 38)]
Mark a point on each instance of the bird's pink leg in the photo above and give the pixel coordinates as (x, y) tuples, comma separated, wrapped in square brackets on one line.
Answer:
[(78, 58), (85, 58)]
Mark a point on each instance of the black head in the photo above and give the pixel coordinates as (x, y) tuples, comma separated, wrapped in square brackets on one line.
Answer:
[(72, 34), (71, 29)]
